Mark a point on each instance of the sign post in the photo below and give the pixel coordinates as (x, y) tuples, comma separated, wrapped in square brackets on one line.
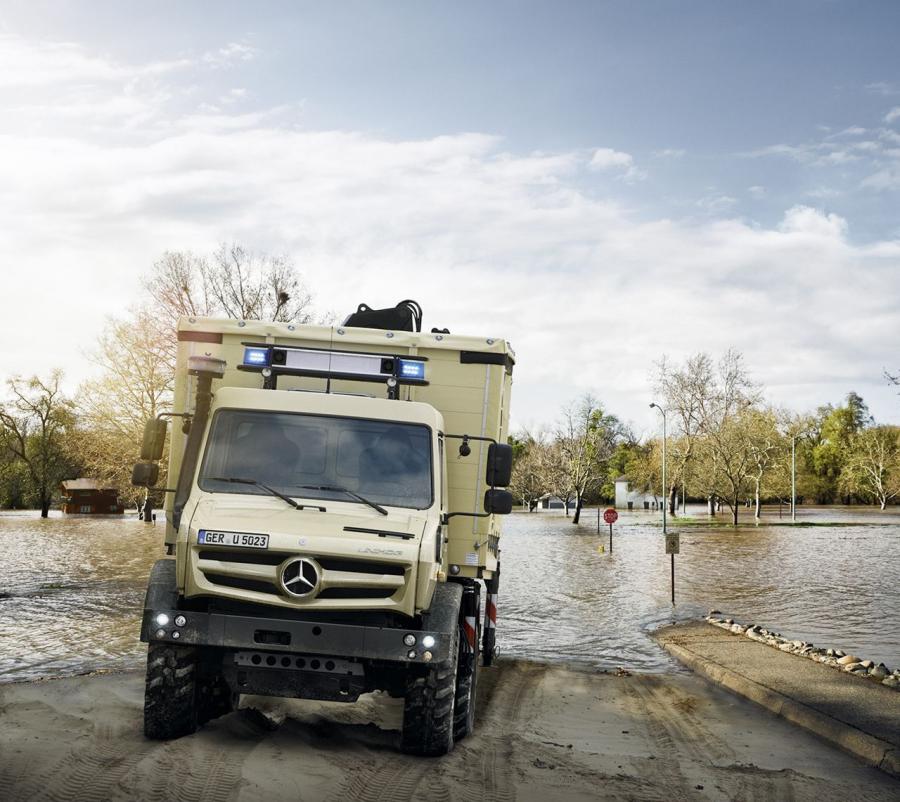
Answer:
[(673, 547), (610, 516)]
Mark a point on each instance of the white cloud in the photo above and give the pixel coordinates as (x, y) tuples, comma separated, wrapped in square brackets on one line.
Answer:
[(893, 114), (490, 241), (669, 153), (608, 159), (756, 191)]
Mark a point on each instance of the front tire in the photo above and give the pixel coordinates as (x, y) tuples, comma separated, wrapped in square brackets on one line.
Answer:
[(428, 708), (171, 707), (466, 692)]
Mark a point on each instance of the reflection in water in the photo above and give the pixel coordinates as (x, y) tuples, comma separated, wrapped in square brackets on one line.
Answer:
[(71, 590)]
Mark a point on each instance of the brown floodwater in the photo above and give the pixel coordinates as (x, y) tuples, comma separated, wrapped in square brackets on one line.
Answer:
[(71, 589)]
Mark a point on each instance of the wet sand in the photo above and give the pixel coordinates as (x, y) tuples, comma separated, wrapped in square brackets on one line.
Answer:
[(544, 732)]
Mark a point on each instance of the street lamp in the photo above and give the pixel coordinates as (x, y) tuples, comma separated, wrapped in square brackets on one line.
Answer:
[(665, 488)]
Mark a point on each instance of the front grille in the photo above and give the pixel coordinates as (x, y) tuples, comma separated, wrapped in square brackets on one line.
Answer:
[(342, 578), (357, 593), (360, 566), (245, 557), (241, 583)]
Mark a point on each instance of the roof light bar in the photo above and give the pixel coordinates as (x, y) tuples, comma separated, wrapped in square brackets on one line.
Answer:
[(284, 360)]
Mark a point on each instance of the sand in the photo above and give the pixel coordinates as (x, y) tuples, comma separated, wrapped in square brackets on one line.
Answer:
[(544, 733)]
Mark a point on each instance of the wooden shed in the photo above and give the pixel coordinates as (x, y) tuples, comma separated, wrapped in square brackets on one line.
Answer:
[(86, 497)]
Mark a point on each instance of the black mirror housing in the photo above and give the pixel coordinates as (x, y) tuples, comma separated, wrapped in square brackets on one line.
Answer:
[(499, 465), (498, 502), (145, 474), (154, 439)]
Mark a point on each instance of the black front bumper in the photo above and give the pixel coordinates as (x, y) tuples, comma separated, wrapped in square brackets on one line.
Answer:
[(294, 637)]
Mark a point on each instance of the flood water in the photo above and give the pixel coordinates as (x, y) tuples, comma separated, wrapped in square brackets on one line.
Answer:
[(71, 589)]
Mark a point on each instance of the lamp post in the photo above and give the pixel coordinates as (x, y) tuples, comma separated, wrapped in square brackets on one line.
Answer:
[(665, 488)]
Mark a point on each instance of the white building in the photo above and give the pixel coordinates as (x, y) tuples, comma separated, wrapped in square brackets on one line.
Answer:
[(627, 498)]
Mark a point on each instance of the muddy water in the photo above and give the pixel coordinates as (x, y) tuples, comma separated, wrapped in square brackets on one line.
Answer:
[(71, 589)]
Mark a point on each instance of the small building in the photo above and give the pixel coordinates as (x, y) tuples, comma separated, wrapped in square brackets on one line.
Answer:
[(627, 498), (551, 502), (86, 497)]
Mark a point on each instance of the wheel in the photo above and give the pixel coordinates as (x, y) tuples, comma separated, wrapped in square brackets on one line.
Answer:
[(171, 706), (466, 691), (428, 707)]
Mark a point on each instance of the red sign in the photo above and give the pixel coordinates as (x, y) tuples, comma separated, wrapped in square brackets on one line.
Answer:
[(610, 516)]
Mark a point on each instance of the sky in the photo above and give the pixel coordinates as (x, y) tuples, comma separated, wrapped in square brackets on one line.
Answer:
[(601, 183)]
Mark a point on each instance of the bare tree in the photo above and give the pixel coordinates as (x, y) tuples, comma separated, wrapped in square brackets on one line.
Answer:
[(529, 479), (586, 439), (686, 391), (873, 467), (234, 282), (33, 428), (765, 444), (137, 358), (724, 419)]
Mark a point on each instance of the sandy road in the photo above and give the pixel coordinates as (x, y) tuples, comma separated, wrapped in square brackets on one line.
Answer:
[(545, 732)]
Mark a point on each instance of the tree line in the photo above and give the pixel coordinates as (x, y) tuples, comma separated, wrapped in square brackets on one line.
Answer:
[(724, 445), (47, 436)]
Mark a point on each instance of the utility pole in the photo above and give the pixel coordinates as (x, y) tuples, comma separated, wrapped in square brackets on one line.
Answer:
[(665, 488)]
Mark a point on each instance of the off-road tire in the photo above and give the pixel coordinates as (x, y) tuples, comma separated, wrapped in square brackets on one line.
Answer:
[(171, 707), (466, 691), (428, 707)]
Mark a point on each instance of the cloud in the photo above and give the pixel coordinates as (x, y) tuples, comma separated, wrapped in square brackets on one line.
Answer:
[(608, 159), (669, 153), (893, 114), (882, 88), (491, 241), (757, 192)]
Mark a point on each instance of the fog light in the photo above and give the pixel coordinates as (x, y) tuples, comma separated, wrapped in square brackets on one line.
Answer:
[(426, 656), (160, 633), (428, 641), (180, 620), (410, 639), (162, 619), (454, 569), (411, 654)]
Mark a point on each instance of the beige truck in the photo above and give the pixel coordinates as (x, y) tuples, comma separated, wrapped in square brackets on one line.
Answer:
[(331, 522)]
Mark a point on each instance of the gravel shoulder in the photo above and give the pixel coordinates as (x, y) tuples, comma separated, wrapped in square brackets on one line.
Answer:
[(544, 732)]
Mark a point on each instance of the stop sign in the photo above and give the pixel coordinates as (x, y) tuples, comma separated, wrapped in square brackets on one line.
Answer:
[(610, 516)]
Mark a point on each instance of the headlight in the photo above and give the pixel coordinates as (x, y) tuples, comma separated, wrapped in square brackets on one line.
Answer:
[(428, 641), (162, 619), (410, 639)]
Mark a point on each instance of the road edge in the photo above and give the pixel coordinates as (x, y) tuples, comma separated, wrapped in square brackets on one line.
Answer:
[(871, 750)]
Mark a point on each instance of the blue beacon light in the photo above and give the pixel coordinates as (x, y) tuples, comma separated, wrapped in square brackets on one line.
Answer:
[(256, 356), (412, 369)]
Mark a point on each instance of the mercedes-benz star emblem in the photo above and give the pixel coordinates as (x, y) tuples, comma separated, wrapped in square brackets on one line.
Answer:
[(299, 577)]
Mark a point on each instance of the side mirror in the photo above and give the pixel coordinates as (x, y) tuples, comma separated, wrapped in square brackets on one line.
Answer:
[(145, 474), (499, 502), (154, 439), (499, 465)]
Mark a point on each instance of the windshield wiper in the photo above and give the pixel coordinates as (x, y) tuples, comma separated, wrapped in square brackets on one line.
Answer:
[(253, 482), (339, 489)]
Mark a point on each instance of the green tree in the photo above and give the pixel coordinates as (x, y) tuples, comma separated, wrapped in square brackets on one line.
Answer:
[(832, 449), (34, 424)]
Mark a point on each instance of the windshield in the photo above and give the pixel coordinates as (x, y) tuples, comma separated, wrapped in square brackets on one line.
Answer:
[(317, 456)]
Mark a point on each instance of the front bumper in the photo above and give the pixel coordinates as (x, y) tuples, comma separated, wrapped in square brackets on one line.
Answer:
[(294, 637)]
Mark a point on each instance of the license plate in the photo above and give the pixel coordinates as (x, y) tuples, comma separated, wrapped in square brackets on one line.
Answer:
[(243, 540)]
